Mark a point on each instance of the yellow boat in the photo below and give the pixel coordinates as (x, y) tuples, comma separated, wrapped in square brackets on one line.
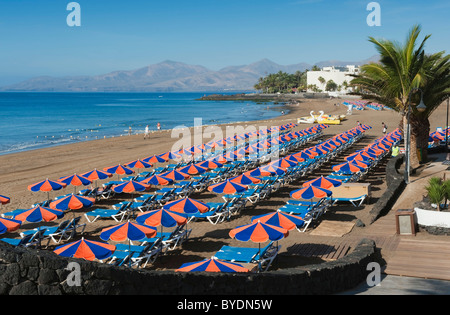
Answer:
[(328, 119)]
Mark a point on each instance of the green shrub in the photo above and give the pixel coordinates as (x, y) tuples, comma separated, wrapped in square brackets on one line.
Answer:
[(437, 191)]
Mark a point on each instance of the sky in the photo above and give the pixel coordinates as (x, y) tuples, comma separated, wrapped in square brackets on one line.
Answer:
[(35, 39)]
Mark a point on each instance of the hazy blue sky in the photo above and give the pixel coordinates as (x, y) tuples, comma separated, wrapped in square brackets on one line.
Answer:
[(123, 35)]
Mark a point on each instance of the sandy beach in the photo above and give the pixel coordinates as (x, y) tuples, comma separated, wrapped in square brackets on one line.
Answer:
[(19, 170)]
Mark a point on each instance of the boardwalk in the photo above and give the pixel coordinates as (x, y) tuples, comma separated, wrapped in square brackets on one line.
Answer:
[(420, 256)]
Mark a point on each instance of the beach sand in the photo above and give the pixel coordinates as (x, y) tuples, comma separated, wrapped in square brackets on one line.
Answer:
[(19, 170)]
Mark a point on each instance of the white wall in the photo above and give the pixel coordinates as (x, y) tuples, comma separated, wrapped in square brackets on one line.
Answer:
[(312, 77)]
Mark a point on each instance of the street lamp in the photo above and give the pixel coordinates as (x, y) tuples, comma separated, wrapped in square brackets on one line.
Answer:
[(446, 135), (420, 108)]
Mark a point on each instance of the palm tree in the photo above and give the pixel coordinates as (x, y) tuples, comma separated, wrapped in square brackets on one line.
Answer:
[(321, 80), (403, 69)]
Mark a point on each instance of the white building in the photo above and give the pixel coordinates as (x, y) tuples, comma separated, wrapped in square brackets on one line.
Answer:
[(339, 75)]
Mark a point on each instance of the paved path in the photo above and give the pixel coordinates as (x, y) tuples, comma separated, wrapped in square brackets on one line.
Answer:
[(396, 285)]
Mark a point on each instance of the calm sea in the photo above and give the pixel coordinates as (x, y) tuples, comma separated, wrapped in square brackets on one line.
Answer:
[(38, 120)]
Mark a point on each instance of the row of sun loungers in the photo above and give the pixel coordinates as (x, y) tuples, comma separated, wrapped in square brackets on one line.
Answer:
[(66, 230)]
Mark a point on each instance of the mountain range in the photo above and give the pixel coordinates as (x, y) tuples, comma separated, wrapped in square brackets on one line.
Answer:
[(170, 76)]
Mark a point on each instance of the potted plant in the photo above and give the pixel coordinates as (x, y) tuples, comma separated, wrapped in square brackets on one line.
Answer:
[(437, 191)]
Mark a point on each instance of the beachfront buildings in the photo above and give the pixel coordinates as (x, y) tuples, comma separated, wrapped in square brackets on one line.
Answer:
[(334, 80)]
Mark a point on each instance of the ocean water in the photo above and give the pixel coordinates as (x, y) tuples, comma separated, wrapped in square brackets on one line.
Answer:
[(38, 120)]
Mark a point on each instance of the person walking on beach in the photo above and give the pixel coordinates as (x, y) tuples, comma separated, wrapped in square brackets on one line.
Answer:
[(158, 126), (129, 131), (384, 128), (146, 135)]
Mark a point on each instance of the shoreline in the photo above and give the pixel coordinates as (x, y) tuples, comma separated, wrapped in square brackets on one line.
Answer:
[(55, 140)]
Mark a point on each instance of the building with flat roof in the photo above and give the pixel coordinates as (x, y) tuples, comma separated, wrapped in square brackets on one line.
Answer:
[(317, 80)]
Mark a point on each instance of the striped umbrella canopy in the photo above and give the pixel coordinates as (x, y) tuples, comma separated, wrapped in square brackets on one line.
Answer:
[(86, 249), (191, 151), (138, 164), (127, 231), (9, 225), (258, 232), (210, 164), (175, 175), (435, 136), (306, 155), (157, 180), (360, 163), (47, 185), (283, 163), (323, 182), (193, 169), (96, 174), (231, 156), (72, 202), (382, 146), (347, 167), (186, 205), (227, 187), (245, 179), (161, 217), (154, 159), (170, 156), (75, 180), (254, 173), (39, 214), (130, 187), (4, 200), (294, 158), (310, 192), (374, 150), (119, 170), (220, 143), (272, 169), (281, 219), (362, 156), (212, 265), (320, 150)]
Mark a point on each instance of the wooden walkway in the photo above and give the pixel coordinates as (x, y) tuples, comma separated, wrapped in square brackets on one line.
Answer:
[(421, 259), (405, 255)]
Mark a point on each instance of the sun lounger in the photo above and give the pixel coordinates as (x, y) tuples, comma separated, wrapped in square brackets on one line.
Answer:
[(115, 214), (356, 202), (26, 241), (68, 232), (176, 238), (262, 257), (218, 212), (107, 192), (47, 229), (140, 255), (12, 214)]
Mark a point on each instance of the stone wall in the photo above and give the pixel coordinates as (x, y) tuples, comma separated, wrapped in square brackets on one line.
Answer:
[(26, 272), (395, 185)]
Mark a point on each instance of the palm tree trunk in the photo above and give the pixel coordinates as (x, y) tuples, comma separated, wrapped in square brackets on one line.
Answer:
[(413, 154), (420, 130)]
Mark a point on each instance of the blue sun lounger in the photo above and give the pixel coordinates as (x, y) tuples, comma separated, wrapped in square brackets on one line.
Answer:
[(140, 255), (356, 202), (115, 214), (262, 257)]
